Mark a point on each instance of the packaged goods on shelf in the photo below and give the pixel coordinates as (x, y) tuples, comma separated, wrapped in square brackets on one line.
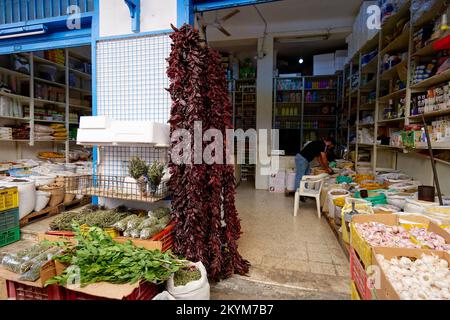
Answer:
[(436, 99), (10, 107)]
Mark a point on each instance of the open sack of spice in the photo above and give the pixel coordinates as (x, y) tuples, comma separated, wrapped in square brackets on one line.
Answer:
[(189, 283), (28, 262)]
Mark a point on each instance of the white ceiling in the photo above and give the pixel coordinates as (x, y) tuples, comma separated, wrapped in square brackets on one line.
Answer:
[(287, 16)]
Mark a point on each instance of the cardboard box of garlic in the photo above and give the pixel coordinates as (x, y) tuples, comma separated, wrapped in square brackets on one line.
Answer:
[(412, 274)]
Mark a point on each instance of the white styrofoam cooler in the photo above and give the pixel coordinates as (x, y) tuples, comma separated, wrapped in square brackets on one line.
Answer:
[(100, 130)]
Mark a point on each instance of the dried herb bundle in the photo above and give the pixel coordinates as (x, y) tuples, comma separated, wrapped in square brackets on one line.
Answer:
[(202, 191)]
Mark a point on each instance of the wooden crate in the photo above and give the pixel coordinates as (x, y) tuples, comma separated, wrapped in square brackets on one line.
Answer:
[(52, 211)]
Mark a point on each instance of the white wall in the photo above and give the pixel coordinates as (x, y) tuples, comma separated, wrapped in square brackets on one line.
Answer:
[(264, 89), (155, 15), (420, 169)]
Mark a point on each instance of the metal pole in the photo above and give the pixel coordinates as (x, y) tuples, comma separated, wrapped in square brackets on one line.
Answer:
[(433, 163)]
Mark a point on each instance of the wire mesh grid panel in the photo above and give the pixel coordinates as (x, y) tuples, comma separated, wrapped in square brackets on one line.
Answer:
[(114, 160), (132, 80)]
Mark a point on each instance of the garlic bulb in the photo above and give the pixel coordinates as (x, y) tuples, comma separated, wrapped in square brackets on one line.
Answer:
[(381, 235), (429, 239), (427, 278)]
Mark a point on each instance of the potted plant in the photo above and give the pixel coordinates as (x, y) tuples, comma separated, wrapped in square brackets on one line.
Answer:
[(137, 169), (154, 175)]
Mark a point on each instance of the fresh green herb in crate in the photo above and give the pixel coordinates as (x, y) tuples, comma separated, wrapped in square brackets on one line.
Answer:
[(99, 258)]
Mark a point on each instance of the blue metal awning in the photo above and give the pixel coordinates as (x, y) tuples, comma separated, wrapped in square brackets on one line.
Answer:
[(208, 5)]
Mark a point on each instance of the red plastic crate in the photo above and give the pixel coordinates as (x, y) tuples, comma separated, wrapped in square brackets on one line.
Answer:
[(166, 237), (145, 291), (20, 291), (359, 275)]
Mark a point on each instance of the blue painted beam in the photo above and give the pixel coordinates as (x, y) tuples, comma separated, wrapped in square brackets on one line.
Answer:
[(135, 13), (224, 4), (62, 39), (185, 12), (49, 22)]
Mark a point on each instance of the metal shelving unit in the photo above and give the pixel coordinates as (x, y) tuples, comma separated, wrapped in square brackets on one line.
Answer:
[(297, 99)]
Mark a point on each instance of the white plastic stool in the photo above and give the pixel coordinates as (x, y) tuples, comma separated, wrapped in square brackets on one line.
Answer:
[(310, 186)]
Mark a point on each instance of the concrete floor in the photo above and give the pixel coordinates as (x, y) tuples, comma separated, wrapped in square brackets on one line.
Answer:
[(292, 257)]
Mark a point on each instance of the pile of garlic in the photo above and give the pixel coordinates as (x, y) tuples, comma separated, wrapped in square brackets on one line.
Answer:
[(429, 239), (381, 235), (427, 278)]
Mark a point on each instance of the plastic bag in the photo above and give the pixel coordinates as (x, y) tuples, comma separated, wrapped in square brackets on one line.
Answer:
[(35, 265), (194, 290), (148, 222), (135, 233), (164, 220), (160, 212), (122, 224), (12, 263), (32, 252), (147, 233), (134, 223)]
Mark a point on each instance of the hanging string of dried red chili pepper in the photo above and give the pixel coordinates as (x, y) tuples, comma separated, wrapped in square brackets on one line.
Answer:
[(207, 226)]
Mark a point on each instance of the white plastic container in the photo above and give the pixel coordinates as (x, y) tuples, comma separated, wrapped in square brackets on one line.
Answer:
[(27, 194), (42, 199), (332, 195), (290, 181)]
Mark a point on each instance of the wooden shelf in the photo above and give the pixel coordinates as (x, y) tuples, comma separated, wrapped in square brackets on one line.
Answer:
[(80, 90), (392, 95), (14, 73), (428, 50), (431, 13), (389, 74), (45, 61), (431, 114), (367, 106), (43, 101), (380, 146), (320, 102), (434, 145), (81, 57), (371, 85), (365, 145), (366, 124), (391, 22), (434, 80), (76, 106), (81, 74), (401, 42), (391, 120), (14, 96), (15, 118), (50, 82)]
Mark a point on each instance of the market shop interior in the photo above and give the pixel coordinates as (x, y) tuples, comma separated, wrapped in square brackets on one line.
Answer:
[(87, 139)]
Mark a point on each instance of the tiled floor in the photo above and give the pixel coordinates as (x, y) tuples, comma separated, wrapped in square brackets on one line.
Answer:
[(279, 244)]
